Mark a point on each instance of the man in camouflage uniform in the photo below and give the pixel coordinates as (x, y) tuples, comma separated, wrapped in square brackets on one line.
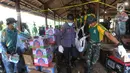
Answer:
[(97, 31)]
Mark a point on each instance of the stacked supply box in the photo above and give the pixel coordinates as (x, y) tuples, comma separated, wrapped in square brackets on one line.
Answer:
[(51, 39), (42, 54), (50, 34), (50, 31), (37, 43)]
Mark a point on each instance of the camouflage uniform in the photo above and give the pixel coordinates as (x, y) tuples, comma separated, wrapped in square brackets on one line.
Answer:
[(93, 48)]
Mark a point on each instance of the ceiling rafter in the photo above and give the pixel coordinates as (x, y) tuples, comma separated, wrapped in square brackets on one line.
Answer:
[(28, 3), (46, 6), (66, 11), (68, 3), (118, 1), (50, 2), (83, 1), (111, 3), (92, 4), (62, 3), (27, 7)]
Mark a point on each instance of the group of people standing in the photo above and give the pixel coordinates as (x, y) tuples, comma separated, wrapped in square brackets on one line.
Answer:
[(65, 41), (91, 28)]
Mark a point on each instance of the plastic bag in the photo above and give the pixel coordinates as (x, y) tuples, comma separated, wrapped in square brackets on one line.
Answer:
[(14, 58), (20, 43)]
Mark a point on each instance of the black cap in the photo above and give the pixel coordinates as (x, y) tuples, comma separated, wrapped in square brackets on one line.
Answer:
[(91, 18), (10, 21), (70, 17)]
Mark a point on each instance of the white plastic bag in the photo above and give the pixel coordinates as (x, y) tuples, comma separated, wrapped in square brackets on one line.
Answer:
[(121, 50), (80, 44), (60, 49)]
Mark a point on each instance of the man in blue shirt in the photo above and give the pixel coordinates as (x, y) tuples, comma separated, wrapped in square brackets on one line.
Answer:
[(67, 42)]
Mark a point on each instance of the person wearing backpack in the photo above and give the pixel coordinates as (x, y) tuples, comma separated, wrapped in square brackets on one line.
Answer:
[(67, 43), (97, 31)]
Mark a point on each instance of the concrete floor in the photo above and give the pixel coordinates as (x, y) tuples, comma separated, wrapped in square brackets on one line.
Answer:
[(98, 68)]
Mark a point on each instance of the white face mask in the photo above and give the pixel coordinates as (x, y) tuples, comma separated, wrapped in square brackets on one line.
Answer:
[(70, 24), (120, 10), (15, 25)]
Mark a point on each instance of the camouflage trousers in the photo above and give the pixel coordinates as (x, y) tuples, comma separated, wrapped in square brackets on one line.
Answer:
[(92, 56)]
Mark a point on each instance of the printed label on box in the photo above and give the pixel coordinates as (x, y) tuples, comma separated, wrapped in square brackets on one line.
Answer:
[(50, 32)]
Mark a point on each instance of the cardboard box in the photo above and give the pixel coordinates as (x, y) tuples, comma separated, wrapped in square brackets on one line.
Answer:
[(42, 56), (50, 31), (36, 43), (51, 39), (39, 42), (46, 41), (51, 69), (29, 68), (42, 62), (42, 52), (34, 71), (28, 59)]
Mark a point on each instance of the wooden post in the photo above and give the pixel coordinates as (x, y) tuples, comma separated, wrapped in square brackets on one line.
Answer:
[(98, 11), (46, 19), (104, 10), (59, 20), (46, 13), (17, 5), (54, 19)]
